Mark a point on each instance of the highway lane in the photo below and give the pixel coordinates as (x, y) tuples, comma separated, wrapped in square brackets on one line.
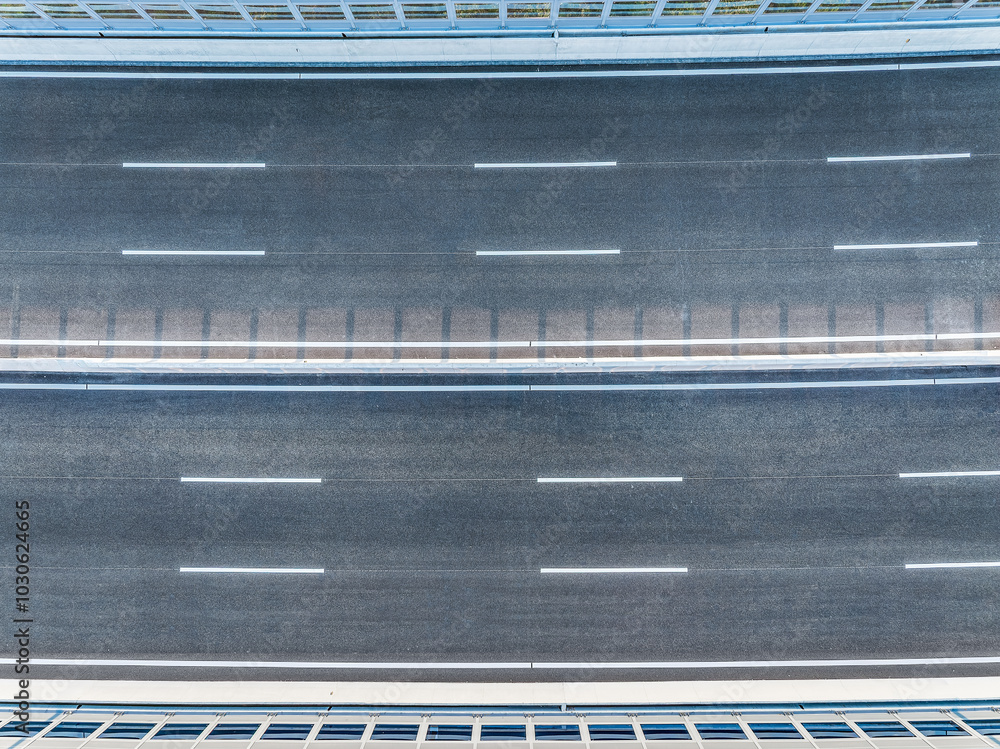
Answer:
[(370, 210), (432, 528)]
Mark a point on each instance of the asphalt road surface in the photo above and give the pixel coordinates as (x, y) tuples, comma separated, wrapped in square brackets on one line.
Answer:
[(432, 530), (370, 208)]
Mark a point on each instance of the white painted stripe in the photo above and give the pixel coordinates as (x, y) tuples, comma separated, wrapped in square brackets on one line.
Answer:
[(950, 565), (736, 385), (545, 164), (616, 480), (551, 665), (189, 165), (817, 663), (499, 253), (354, 665), (947, 474), (609, 570), (913, 246), (914, 157), (259, 570), (314, 388), (193, 252), (692, 386), (206, 480), (508, 74)]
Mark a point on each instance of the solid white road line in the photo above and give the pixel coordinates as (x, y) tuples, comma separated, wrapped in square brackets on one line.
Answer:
[(912, 246), (609, 570), (663, 387), (258, 570), (143, 663), (545, 164), (914, 157), (193, 252), (511, 74), (947, 474), (509, 253), (188, 165), (206, 480), (950, 565), (616, 480), (834, 663), (422, 665)]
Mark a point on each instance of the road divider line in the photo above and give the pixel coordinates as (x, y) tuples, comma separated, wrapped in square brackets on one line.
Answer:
[(193, 252), (530, 253), (910, 246), (614, 480), (258, 570), (543, 164), (611, 570), (947, 474), (634, 387), (949, 565), (506, 665), (907, 157), (189, 165), (208, 480)]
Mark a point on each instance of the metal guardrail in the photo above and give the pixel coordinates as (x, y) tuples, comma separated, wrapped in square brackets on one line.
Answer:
[(915, 726), (311, 16)]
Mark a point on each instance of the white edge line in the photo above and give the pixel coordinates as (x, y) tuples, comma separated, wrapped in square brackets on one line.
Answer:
[(907, 157), (912, 246), (207, 480), (610, 570), (697, 72), (193, 252), (259, 570), (950, 565), (189, 165), (616, 480), (528, 253), (543, 164), (829, 663), (947, 474)]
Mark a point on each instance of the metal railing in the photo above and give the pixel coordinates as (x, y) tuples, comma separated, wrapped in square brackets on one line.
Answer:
[(319, 16)]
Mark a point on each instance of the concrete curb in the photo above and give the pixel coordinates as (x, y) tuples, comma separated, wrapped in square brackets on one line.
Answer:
[(513, 366), (667, 47), (398, 694)]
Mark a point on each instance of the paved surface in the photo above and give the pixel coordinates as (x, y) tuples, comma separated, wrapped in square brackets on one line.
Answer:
[(370, 212), (432, 529)]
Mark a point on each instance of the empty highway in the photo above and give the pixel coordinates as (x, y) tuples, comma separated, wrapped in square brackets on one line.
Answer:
[(359, 211), (468, 528)]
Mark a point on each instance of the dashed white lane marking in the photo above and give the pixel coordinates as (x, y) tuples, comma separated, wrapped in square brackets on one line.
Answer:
[(544, 164), (609, 480), (258, 570), (223, 480), (530, 253), (947, 474), (907, 157), (909, 246), (949, 565), (199, 253), (189, 165), (610, 570)]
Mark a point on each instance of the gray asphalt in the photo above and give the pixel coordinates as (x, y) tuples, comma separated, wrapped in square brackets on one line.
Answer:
[(369, 196), (432, 529)]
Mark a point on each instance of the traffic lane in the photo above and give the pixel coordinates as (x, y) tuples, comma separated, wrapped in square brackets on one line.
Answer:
[(414, 122), (809, 524), (876, 432), (770, 615), (462, 210)]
